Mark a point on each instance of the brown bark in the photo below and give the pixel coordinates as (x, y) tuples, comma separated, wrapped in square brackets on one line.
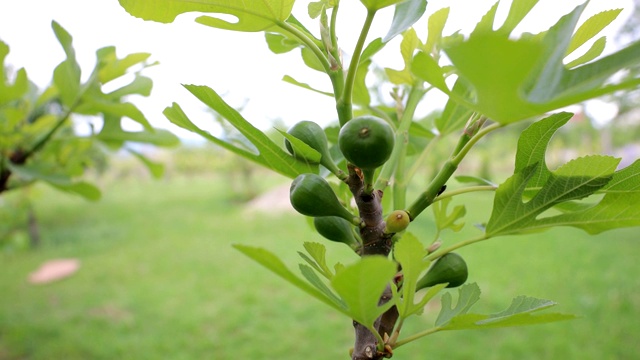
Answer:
[(375, 242)]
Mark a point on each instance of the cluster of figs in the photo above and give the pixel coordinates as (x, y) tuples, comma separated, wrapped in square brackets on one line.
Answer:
[(366, 142)]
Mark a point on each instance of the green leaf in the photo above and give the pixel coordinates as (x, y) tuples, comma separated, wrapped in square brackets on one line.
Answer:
[(594, 51), (625, 181), (469, 179), (455, 114), (94, 104), (426, 68), (360, 286), (280, 44), (60, 181), (10, 92), (141, 85), (576, 179), (301, 149), (497, 80), (591, 28), (156, 169), (112, 68), (517, 12), (446, 220), (314, 280), (273, 263), (410, 253), (295, 82), (309, 58), (66, 75), (405, 15), (521, 312), (361, 94), (409, 44), (468, 295), (271, 155), (529, 77), (532, 146), (615, 210), (374, 5), (436, 24), (371, 49), (318, 253), (251, 16), (159, 137)]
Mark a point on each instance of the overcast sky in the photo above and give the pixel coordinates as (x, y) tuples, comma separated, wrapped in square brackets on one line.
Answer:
[(238, 65)]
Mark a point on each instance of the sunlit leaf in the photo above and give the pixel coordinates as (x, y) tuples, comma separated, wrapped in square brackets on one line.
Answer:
[(295, 82), (271, 155), (517, 12), (591, 28), (594, 51), (436, 24), (406, 14), (112, 68), (272, 262), (374, 5), (9, 92), (410, 253), (66, 75), (255, 15), (360, 286)]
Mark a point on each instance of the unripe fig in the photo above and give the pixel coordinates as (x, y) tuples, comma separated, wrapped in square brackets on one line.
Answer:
[(336, 229), (397, 221), (449, 268), (366, 141), (311, 195), (312, 134)]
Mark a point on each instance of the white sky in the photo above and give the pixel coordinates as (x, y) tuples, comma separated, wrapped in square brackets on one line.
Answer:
[(238, 65)]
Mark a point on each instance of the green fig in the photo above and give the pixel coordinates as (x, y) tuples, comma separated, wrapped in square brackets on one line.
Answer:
[(311, 195), (312, 134), (366, 141), (336, 229), (449, 268), (397, 221)]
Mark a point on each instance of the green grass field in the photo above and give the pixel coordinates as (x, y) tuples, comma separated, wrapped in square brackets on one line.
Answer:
[(160, 280)]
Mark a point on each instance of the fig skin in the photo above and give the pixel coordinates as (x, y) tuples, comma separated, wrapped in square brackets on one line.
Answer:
[(366, 141), (312, 134), (311, 195), (449, 268), (336, 229), (397, 221)]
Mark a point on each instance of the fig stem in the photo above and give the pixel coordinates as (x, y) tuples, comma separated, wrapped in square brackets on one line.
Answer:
[(308, 42), (353, 65)]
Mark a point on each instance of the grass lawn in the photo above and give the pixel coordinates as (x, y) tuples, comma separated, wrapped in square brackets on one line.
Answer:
[(160, 280)]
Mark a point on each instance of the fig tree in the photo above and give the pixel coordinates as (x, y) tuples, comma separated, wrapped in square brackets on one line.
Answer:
[(312, 134), (366, 141), (449, 268), (311, 195), (336, 229)]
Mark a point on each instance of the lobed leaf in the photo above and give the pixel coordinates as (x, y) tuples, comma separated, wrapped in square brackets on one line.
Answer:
[(255, 15), (360, 286), (270, 155), (468, 295), (410, 253), (273, 263), (591, 28), (20, 86), (66, 76), (520, 313)]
